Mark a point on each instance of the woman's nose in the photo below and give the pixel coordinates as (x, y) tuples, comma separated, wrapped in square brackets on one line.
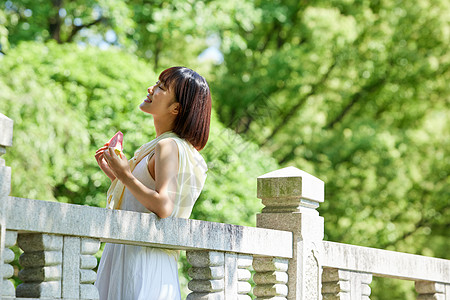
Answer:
[(150, 90)]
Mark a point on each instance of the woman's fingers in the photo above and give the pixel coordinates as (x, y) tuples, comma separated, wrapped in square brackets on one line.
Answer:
[(99, 159), (106, 155), (109, 154), (101, 149), (98, 154), (102, 160)]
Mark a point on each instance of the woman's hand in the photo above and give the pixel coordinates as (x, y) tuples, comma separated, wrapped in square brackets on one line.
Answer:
[(102, 162), (118, 164)]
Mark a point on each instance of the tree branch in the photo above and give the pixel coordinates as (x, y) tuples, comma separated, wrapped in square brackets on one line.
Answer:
[(366, 90), (55, 21), (158, 47), (313, 90), (285, 119), (294, 18), (422, 222), (75, 29)]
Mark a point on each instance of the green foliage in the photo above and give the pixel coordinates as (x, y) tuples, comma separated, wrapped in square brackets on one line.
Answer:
[(64, 20), (67, 100), (4, 43), (166, 33), (233, 165), (353, 92), (396, 289), (360, 93)]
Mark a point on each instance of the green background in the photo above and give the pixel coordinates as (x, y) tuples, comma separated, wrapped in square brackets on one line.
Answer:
[(355, 93)]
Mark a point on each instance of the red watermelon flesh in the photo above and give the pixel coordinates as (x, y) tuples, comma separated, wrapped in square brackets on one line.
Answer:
[(117, 142)]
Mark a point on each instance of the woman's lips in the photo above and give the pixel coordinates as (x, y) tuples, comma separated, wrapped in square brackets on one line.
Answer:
[(148, 99)]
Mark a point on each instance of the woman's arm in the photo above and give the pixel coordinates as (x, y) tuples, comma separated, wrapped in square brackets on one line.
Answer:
[(161, 200)]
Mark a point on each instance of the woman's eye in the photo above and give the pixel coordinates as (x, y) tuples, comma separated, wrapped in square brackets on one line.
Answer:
[(159, 85)]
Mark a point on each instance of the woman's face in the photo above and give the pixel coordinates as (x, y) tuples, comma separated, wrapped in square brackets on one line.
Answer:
[(160, 100)]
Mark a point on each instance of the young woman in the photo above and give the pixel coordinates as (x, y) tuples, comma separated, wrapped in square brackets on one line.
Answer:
[(165, 177)]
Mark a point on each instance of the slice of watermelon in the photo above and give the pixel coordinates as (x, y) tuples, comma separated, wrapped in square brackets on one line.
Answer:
[(117, 142)]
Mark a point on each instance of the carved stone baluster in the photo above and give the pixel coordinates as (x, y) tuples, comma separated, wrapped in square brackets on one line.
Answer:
[(364, 281), (244, 262), (428, 290), (42, 265), (87, 262), (344, 284), (237, 276), (7, 287), (270, 278), (208, 270)]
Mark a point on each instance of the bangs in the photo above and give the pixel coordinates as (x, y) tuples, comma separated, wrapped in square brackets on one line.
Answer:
[(168, 77)]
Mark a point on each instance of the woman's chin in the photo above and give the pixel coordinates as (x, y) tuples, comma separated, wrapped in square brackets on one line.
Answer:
[(143, 107)]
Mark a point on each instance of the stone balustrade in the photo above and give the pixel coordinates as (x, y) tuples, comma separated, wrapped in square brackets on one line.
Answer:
[(59, 241), (285, 252)]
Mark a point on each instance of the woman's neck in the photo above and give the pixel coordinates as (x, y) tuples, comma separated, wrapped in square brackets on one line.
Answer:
[(161, 126)]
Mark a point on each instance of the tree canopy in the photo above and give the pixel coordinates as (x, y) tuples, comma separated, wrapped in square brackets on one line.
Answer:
[(354, 92), (66, 108)]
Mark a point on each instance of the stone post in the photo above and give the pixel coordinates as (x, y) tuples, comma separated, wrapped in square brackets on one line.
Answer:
[(78, 260), (6, 133), (345, 285), (291, 197), (428, 290)]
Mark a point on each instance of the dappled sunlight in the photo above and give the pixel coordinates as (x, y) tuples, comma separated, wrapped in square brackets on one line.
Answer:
[(353, 92)]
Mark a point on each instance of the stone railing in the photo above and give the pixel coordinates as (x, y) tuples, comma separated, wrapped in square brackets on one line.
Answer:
[(286, 250)]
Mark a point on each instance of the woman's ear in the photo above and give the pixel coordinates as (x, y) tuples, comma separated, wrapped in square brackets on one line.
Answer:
[(175, 108)]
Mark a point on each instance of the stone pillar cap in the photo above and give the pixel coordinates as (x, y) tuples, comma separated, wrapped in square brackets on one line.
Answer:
[(289, 188), (6, 131)]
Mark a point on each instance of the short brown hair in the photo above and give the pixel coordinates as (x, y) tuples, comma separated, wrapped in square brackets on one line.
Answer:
[(192, 92)]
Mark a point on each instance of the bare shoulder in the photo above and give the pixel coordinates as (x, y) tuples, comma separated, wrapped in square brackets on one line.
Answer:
[(167, 146)]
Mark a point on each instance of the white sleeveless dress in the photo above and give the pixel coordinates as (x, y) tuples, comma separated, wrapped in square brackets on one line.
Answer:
[(129, 272)]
